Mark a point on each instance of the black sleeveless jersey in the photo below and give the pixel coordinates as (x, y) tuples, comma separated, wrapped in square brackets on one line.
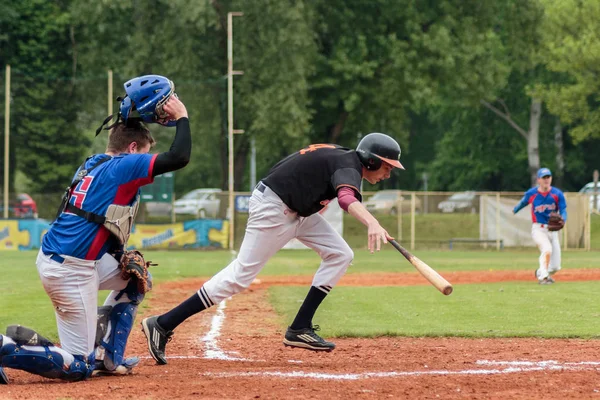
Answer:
[(308, 179)]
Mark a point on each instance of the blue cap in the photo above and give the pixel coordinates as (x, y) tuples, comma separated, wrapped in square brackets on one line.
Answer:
[(544, 172)]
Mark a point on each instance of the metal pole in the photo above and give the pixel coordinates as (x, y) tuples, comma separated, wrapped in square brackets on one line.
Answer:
[(110, 92), (413, 202), (230, 130), (6, 138), (498, 221), (426, 202), (252, 164)]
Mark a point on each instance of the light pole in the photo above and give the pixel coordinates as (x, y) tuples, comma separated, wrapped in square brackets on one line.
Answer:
[(230, 130), (6, 138)]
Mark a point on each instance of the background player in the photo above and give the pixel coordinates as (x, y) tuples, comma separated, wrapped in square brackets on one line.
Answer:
[(75, 259), (544, 200), (286, 205)]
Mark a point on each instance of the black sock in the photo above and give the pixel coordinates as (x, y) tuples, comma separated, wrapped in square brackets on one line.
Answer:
[(309, 307), (172, 318)]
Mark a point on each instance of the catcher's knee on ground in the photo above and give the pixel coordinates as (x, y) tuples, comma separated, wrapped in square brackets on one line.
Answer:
[(47, 360)]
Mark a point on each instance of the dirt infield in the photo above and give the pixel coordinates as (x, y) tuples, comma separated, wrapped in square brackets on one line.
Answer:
[(234, 351)]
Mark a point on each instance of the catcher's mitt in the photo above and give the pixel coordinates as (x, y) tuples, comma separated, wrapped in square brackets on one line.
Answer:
[(555, 222), (133, 264)]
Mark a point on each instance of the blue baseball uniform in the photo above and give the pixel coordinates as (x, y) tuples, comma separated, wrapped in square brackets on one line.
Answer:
[(542, 205), (116, 181), (76, 261)]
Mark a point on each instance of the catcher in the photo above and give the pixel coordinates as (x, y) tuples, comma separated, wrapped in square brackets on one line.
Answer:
[(549, 214), (84, 250)]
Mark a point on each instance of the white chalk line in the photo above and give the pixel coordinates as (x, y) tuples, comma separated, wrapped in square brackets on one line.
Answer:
[(212, 350), (511, 368)]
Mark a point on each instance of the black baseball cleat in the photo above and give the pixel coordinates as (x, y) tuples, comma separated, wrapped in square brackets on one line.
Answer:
[(3, 378), (157, 339), (306, 338)]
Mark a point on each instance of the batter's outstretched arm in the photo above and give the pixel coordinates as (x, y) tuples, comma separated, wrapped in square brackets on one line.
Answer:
[(375, 230)]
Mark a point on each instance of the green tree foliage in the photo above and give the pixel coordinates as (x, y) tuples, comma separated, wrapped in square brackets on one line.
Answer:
[(375, 67), (571, 48), (314, 71), (40, 49)]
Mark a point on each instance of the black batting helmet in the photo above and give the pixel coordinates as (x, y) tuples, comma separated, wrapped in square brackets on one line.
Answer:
[(376, 148)]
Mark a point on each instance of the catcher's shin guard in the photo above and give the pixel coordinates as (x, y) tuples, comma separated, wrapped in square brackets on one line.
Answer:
[(120, 322), (47, 361)]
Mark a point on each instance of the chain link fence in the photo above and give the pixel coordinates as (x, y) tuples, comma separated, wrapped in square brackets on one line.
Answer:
[(419, 220)]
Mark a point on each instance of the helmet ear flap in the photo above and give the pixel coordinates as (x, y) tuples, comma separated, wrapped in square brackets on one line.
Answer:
[(374, 163)]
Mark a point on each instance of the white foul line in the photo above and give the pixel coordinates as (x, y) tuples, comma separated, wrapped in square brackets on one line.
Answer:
[(511, 367), (212, 350)]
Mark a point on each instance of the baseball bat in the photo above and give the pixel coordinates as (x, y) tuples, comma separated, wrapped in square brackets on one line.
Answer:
[(429, 273)]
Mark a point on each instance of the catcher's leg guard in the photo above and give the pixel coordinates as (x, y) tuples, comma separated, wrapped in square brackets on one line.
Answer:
[(47, 361), (120, 322)]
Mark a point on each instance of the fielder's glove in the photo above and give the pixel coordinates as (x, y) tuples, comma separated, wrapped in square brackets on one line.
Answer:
[(555, 222), (133, 265)]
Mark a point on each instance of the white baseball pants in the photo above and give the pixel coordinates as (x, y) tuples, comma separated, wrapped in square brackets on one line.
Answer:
[(271, 224), (73, 288), (549, 246)]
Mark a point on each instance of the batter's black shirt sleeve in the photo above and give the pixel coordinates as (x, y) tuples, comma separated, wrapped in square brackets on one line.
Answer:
[(348, 177), (178, 155)]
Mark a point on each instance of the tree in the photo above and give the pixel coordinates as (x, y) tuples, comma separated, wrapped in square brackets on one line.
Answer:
[(41, 49), (571, 48)]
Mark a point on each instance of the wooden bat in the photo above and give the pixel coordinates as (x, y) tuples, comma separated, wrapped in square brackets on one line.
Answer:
[(436, 279)]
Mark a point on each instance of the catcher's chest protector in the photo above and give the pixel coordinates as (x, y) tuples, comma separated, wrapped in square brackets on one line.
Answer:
[(119, 220)]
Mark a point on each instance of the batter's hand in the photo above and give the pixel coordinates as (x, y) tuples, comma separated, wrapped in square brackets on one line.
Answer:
[(175, 108), (376, 235)]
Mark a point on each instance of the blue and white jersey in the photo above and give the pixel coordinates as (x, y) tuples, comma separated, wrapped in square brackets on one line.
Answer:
[(543, 203), (116, 181)]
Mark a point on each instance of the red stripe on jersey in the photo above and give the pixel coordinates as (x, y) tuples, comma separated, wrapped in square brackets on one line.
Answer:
[(96, 246), (530, 201), (151, 167)]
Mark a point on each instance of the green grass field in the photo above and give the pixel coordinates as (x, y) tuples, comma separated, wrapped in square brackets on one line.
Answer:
[(477, 310)]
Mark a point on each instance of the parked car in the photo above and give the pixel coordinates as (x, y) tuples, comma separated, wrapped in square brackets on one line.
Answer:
[(459, 202), (204, 203), (589, 190), (23, 206), (386, 201)]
